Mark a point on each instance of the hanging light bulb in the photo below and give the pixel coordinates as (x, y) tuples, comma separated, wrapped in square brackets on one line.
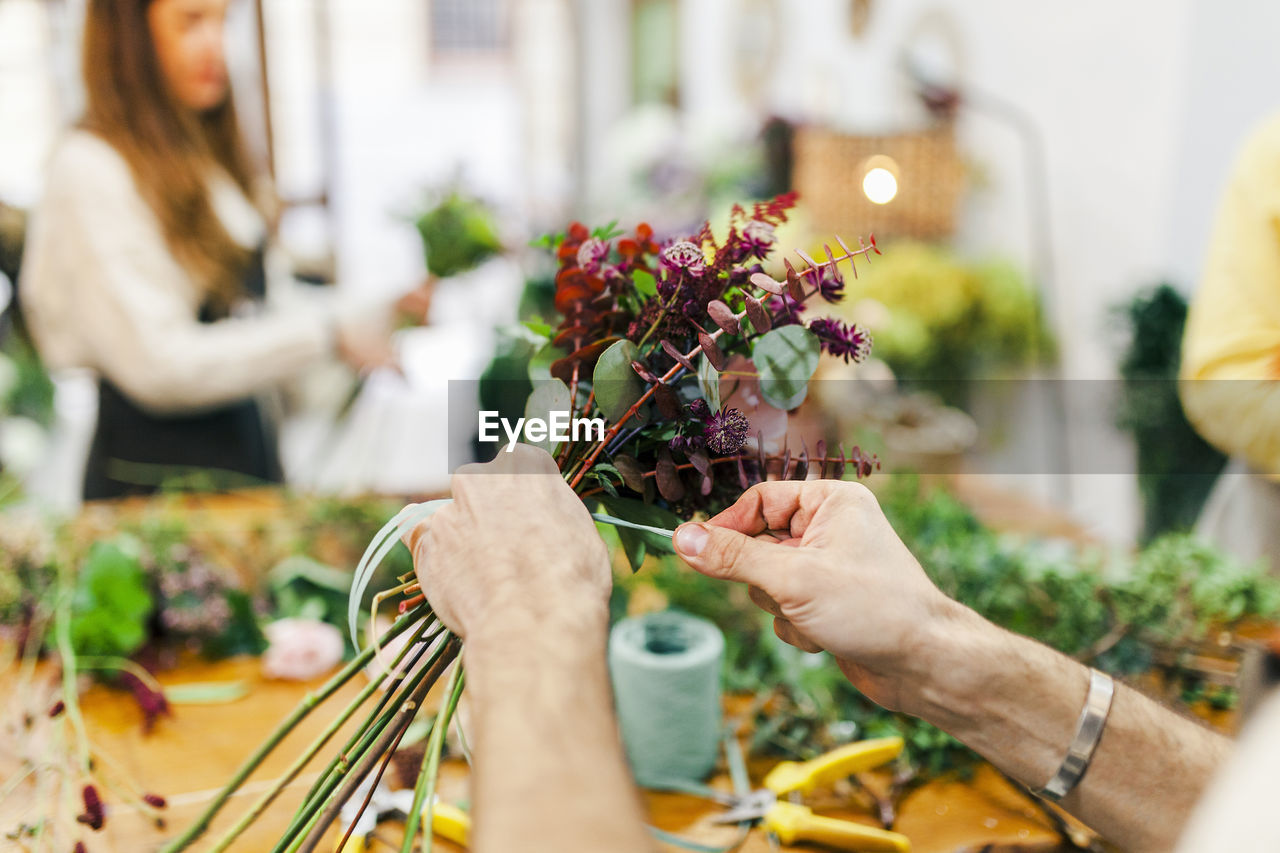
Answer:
[(880, 179)]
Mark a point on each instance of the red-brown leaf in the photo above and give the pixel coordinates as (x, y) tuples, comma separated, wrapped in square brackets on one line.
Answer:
[(724, 317), (712, 352), (760, 319), (632, 472), (794, 285), (765, 282), (668, 402), (671, 350), (669, 484)]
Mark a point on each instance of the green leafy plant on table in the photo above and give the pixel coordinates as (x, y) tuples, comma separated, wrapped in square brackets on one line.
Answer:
[(644, 334)]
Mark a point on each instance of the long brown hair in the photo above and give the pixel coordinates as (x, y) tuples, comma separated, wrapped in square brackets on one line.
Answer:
[(169, 149)]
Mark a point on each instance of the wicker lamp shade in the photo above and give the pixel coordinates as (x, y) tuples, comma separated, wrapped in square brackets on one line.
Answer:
[(830, 168)]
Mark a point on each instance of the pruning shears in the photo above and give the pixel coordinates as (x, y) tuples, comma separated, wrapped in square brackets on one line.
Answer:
[(792, 822)]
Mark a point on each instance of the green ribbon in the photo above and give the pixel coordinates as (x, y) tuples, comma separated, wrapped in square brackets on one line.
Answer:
[(620, 522)]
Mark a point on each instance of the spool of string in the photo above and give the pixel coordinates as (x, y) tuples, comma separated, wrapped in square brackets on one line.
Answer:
[(666, 683)]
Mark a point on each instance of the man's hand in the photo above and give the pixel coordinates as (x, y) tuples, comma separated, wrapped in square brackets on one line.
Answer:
[(516, 545), (516, 567), (821, 557)]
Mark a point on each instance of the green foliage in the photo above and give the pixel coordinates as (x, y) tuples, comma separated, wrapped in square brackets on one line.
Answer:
[(1177, 467), (786, 358), (949, 319), (457, 235), (616, 385), (111, 601)]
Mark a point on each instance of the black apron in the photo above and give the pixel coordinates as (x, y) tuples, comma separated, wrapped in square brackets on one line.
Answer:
[(135, 452)]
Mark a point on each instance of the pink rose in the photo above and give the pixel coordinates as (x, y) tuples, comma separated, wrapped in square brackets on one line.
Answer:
[(301, 649)]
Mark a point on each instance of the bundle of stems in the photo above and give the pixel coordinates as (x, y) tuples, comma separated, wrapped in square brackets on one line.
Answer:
[(416, 668)]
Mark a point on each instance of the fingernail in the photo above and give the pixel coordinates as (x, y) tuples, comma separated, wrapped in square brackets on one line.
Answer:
[(691, 539)]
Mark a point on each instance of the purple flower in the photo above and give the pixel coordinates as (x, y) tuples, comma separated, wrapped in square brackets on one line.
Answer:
[(850, 342), (757, 238), (684, 255), (785, 310), (591, 254), (831, 285), (726, 431), (700, 410)]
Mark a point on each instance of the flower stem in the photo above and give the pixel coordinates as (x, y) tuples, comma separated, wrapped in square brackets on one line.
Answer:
[(374, 723), (306, 706), (256, 810), (424, 791), (67, 653), (403, 717)]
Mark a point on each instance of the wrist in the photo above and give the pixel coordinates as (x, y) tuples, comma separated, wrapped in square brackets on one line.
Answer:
[(517, 623), (949, 665)]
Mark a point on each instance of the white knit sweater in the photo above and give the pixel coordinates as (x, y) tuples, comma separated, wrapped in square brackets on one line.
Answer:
[(102, 290)]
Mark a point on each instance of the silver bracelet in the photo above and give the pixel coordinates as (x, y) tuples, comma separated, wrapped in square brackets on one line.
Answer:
[(1093, 718)]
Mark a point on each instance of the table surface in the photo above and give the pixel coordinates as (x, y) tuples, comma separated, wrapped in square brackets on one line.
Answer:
[(189, 755)]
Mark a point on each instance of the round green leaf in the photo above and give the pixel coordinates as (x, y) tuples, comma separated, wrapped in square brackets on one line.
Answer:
[(785, 358), (547, 397), (541, 361), (616, 384)]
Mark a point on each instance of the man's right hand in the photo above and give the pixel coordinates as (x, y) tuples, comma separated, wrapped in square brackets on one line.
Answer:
[(821, 557)]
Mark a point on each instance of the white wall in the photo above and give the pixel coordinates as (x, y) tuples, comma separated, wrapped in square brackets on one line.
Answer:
[(1230, 82)]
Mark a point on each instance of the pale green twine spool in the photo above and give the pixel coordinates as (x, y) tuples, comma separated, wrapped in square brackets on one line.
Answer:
[(666, 684)]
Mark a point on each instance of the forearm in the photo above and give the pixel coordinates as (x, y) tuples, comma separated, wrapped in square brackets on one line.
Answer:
[(547, 752), (1017, 703)]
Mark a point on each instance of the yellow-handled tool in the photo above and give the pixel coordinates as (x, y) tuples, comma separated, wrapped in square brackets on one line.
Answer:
[(792, 822), (447, 821), (450, 822)]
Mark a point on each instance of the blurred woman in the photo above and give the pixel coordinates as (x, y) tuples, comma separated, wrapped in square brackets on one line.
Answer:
[(148, 260)]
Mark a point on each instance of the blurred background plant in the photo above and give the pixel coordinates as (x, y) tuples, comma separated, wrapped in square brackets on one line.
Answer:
[(940, 320), (1176, 467), (458, 234)]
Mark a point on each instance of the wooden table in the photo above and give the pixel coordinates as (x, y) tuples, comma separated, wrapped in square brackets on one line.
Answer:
[(188, 756)]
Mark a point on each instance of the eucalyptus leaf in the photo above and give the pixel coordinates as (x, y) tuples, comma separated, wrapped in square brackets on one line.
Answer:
[(709, 383), (786, 358), (541, 361), (616, 384), (549, 396)]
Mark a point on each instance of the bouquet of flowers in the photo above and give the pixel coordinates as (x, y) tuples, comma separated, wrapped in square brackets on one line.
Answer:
[(657, 342)]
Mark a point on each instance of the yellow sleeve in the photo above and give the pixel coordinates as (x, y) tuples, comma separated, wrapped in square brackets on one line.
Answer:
[(1231, 348)]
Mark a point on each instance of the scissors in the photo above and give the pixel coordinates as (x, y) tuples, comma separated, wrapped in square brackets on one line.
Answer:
[(791, 822)]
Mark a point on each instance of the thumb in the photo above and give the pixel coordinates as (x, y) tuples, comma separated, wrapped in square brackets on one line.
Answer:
[(720, 552)]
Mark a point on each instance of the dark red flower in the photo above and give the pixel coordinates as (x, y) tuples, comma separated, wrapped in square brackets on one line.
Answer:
[(152, 702), (850, 342), (726, 431), (95, 815)]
